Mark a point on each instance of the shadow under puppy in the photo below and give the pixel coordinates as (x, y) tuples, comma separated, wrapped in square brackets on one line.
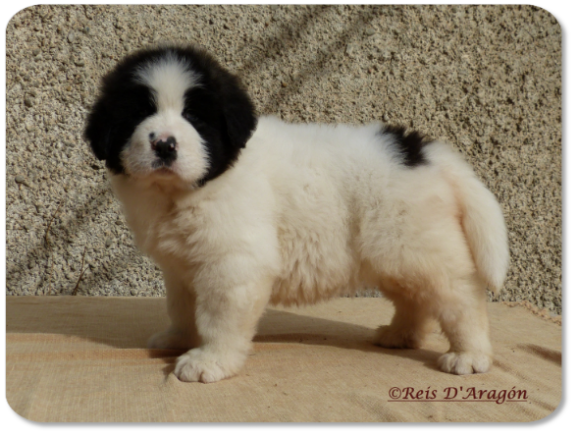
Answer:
[(240, 211)]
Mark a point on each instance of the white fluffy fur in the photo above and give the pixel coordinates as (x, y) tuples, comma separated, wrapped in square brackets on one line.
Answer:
[(309, 212), (169, 79)]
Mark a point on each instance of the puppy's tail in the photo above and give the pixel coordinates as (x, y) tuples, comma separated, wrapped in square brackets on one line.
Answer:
[(482, 218)]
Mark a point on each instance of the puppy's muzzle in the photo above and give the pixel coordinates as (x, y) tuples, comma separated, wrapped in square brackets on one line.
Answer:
[(165, 149)]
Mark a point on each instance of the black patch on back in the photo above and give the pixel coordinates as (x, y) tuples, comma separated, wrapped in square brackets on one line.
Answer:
[(409, 144)]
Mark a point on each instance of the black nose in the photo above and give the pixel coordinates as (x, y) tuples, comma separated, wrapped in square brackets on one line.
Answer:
[(166, 149)]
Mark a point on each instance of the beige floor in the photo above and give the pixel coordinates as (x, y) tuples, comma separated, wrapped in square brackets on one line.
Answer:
[(82, 359)]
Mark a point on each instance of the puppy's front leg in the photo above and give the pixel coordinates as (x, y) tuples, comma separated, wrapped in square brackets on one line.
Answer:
[(226, 320), (182, 334)]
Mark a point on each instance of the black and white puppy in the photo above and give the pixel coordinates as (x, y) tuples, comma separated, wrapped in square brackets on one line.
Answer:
[(240, 211)]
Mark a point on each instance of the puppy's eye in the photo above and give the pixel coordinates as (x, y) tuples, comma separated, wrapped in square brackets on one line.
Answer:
[(189, 117)]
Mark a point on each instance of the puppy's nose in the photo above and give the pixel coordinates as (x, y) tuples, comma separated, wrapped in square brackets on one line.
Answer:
[(165, 147)]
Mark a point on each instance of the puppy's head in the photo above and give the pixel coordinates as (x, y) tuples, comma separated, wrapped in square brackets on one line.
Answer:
[(171, 114)]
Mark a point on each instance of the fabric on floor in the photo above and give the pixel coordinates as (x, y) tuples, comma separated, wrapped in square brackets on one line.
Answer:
[(83, 359)]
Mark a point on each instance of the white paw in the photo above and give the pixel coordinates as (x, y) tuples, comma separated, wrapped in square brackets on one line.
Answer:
[(465, 363), (207, 366), (389, 337), (169, 339)]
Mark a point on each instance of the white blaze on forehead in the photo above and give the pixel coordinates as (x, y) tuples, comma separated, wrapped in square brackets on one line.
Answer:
[(169, 78)]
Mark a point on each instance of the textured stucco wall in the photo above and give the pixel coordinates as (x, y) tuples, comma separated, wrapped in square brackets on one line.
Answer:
[(486, 78)]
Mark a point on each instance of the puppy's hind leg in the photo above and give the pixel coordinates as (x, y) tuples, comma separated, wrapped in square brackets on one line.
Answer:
[(409, 326), (464, 319)]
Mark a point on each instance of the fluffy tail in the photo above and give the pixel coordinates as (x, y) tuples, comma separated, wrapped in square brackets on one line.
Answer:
[(482, 218)]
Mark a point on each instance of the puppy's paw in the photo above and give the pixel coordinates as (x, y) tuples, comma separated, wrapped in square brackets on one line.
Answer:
[(465, 363), (390, 337), (207, 366), (169, 339)]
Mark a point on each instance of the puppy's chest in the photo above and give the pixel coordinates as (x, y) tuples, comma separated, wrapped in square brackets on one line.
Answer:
[(161, 228), (174, 235)]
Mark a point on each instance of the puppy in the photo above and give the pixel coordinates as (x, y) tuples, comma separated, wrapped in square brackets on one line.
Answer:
[(240, 211)]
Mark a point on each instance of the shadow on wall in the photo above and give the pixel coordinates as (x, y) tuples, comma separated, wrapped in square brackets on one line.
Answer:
[(281, 37), (287, 35)]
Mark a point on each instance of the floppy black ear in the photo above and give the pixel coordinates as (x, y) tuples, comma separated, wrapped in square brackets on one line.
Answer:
[(98, 131), (235, 104), (106, 132), (239, 113)]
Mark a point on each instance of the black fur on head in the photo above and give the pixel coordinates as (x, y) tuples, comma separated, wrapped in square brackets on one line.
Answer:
[(220, 109)]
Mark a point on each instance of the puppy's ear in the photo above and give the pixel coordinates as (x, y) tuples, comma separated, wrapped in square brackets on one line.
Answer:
[(238, 111), (98, 131)]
